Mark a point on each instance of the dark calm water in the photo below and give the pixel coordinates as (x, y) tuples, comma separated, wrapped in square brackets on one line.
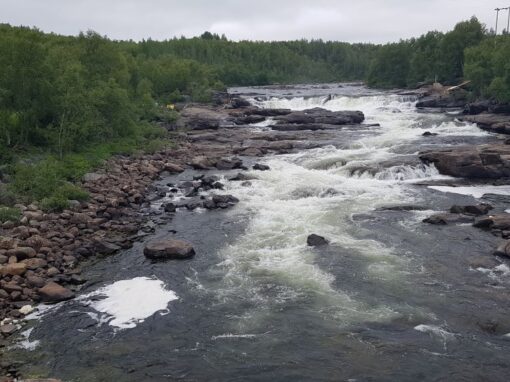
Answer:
[(391, 299)]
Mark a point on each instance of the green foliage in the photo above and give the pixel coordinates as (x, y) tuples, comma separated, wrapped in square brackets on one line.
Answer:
[(55, 203), (488, 67), (433, 56), (9, 214)]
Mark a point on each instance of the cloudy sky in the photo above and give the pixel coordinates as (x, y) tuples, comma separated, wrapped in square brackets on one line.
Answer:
[(344, 20)]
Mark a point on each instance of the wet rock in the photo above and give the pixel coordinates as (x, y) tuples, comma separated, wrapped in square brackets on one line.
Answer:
[(405, 207), (497, 221), (169, 207), (105, 247), (314, 240), (261, 167), (241, 177), (168, 249), (238, 102), (225, 199), (479, 209), (447, 218), (503, 249), (429, 134), (53, 292)]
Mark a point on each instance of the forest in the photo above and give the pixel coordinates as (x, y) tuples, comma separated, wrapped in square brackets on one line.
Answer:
[(68, 102)]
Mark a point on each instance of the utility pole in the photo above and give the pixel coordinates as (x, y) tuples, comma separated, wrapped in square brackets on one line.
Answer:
[(497, 17), (508, 22)]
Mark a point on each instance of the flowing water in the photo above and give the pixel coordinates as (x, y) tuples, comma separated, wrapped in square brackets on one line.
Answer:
[(390, 299)]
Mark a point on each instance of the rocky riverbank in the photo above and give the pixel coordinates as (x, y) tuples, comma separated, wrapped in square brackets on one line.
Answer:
[(40, 256)]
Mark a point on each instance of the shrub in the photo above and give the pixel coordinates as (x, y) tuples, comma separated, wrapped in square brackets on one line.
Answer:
[(71, 191), (9, 214), (54, 204)]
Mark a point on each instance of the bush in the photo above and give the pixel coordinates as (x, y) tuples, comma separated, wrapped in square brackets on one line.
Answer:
[(54, 204), (71, 191), (9, 214)]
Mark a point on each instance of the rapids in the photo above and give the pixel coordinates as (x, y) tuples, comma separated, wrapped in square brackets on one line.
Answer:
[(390, 299)]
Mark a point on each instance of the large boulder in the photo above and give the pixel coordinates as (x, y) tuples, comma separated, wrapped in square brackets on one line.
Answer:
[(503, 249), (484, 161), (496, 123), (168, 249), (497, 222), (322, 116), (53, 292)]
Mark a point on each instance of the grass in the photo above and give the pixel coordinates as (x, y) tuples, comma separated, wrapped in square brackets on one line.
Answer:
[(50, 180), (9, 214)]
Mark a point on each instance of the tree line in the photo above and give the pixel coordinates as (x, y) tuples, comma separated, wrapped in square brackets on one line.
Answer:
[(62, 92)]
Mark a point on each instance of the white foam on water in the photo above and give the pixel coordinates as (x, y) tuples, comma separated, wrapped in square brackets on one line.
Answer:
[(319, 191), (475, 191), (129, 302), (436, 331), (25, 342), (233, 336)]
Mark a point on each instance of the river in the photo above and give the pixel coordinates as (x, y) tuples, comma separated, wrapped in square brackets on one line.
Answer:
[(390, 299)]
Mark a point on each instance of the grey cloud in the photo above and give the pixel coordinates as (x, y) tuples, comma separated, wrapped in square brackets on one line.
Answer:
[(352, 21)]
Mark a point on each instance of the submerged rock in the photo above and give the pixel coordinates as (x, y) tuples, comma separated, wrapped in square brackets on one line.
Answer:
[(314, 240), (168, 249)]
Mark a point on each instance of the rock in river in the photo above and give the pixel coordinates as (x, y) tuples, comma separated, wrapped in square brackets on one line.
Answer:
[(168, 249), (314, 240)]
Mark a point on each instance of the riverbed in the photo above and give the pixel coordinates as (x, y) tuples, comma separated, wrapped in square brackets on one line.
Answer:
[(390, 299)]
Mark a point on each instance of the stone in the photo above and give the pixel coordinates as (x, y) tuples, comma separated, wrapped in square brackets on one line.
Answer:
[(93, 177), (53, 292), (35, 281), (497, 221), (16, 269), (22, 253), (446, 218), (168, 249), (201, 163), (105, 247), (169, 207), (314, 240), (503, 249), (490, 161), (8, 329), (173, 168), (261, 167), (479, 209), (26, 309)]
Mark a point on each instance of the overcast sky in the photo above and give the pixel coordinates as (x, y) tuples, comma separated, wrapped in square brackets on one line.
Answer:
[(343, 20)]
